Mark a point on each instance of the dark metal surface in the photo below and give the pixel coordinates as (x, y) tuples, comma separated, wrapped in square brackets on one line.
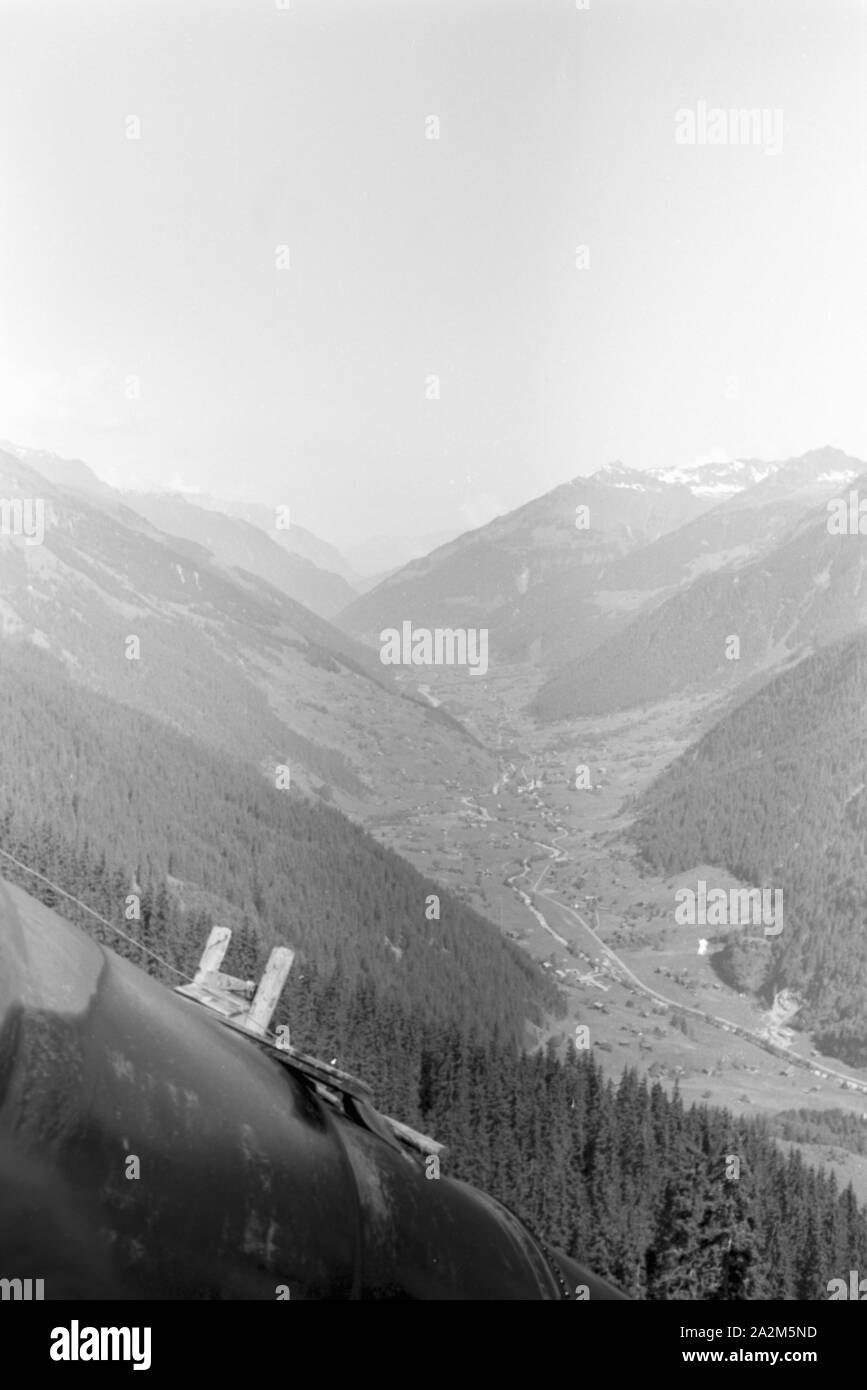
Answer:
[(249, 1180)]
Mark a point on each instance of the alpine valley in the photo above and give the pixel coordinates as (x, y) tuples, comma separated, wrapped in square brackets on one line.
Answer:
[(481, 876)]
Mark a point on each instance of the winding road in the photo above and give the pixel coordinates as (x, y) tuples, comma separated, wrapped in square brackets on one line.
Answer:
[(555, 854)]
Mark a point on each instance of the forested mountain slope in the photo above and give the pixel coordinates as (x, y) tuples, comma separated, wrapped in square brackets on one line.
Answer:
[(777, 793), (98, 795)]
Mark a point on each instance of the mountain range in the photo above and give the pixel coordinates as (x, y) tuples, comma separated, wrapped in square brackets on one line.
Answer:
[(760, 567), (483, 576), (663, 567), (222, 654), (155, 666), (246, 545)]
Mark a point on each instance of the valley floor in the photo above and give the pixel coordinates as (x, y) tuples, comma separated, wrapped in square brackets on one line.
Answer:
[(554, 867)]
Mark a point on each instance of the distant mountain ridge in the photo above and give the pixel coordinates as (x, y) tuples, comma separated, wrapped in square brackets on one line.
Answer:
[(719, 481), (297, 562), (223, 655), (760, 567), (551, 593), (469, 579), (380, 556), (247, 546), (64, 471), (294, 538)]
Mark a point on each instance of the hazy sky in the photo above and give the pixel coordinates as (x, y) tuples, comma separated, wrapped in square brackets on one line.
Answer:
[(146, 327)]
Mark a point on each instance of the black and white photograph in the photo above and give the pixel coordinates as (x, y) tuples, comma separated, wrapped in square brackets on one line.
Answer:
[(433, 668)]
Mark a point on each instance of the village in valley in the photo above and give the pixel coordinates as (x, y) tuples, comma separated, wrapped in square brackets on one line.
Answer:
[(545, 853)]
